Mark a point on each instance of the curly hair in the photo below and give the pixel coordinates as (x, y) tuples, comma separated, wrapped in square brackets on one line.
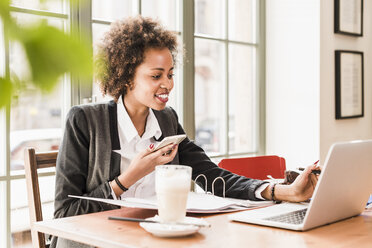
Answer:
[(123, 50)]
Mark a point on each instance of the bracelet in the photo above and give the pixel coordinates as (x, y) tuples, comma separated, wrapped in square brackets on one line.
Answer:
[(273, 194), (121, 186)]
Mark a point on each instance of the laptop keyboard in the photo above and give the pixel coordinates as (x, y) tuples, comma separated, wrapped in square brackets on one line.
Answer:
[(296, 217)]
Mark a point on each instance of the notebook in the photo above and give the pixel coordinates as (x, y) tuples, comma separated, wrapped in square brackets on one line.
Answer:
[(196, 203), (342, 191)]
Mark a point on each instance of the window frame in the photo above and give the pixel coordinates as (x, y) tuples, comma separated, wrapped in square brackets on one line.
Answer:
[(260, 120)]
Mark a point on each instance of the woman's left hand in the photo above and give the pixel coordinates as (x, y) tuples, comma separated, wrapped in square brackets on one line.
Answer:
[(303, 187), (300, 190)]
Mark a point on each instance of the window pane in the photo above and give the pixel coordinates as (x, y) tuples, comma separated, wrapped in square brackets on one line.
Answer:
[(210, 18), (209, 95), (99, 31), (242, 99), (176, 97), (2, 143), (3, 236), (111, 10), (35, 118), (58, 6), (242, 20), (167, 11), (20, 218), (35, 121), (28, 19)]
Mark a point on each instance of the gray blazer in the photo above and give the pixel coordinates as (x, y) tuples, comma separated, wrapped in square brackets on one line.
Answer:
[(86, 161)]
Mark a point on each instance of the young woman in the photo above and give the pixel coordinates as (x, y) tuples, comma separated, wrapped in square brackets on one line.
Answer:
[(107, 148)]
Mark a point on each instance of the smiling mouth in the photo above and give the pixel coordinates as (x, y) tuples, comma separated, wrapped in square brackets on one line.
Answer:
[(162, 97)]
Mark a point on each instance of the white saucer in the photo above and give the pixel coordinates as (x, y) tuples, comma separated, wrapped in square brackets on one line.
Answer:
[(172, 230)]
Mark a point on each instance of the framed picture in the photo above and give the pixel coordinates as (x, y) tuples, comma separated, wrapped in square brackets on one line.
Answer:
[(349, 84), (349, 17)]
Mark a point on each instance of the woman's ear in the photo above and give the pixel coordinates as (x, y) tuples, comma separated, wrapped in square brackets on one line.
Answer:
[(129, 85)]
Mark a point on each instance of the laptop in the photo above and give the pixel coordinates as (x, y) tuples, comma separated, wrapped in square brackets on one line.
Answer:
[(342, 191)]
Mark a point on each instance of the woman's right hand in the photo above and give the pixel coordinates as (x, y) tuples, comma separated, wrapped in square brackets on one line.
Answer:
[(143, 164)]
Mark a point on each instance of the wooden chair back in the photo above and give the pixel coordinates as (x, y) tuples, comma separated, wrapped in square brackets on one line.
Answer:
[(255, 167), (33, 162)]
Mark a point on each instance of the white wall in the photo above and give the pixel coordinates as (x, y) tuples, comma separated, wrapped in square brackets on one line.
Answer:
[(292, 80), (300, 75), (332, 130)]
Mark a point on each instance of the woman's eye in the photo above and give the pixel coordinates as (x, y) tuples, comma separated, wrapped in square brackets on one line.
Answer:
[(170, 76), (156, 76)]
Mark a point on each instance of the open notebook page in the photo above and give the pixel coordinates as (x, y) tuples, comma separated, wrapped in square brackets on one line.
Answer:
[(196, 203)]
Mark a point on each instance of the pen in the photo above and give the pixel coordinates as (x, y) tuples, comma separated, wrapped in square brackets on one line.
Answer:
[(154, 221), (316, 172)]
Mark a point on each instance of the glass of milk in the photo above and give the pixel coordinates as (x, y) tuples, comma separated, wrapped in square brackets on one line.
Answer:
[(172, 186)]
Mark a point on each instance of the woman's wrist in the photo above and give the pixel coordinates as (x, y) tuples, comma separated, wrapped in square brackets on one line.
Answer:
[(125, 184), (115, 188), (281, 193), (285, 193), (121, 186)]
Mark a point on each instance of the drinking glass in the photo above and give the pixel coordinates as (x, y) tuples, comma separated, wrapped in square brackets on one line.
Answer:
[(172, 186)]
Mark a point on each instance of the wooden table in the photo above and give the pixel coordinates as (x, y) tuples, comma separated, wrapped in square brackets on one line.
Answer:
[(95, 229)]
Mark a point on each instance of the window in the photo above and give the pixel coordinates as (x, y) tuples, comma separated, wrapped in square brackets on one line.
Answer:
[(226, 76), (33, 119), (218, 86)]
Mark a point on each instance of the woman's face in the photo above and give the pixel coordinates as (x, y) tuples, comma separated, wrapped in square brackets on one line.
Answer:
[(153, 81)]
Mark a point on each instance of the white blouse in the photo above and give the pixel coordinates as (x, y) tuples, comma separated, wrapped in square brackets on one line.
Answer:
[(131, 144)]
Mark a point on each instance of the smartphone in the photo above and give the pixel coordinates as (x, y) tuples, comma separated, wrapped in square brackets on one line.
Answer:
[(175, 139)]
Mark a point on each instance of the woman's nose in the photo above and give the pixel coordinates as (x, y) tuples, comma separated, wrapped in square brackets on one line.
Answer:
[(167, 84)]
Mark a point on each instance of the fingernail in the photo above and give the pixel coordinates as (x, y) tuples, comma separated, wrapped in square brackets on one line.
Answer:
[(151, 146)]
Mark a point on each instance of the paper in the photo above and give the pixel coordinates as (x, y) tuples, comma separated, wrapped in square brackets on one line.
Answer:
[(196, 203)]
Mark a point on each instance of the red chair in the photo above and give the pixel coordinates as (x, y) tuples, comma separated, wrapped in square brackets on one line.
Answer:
[(255, 167)]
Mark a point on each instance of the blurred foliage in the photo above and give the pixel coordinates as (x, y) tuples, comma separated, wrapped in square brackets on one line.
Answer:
[(5, 91), (50, 53)]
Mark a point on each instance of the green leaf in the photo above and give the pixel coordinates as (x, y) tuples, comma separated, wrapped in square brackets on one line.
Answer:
[(5, 92), (4, 8), (51, 53), (5, 14)]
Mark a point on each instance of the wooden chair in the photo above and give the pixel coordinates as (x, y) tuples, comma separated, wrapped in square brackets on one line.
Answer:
[(255, 167), (33, 162)]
